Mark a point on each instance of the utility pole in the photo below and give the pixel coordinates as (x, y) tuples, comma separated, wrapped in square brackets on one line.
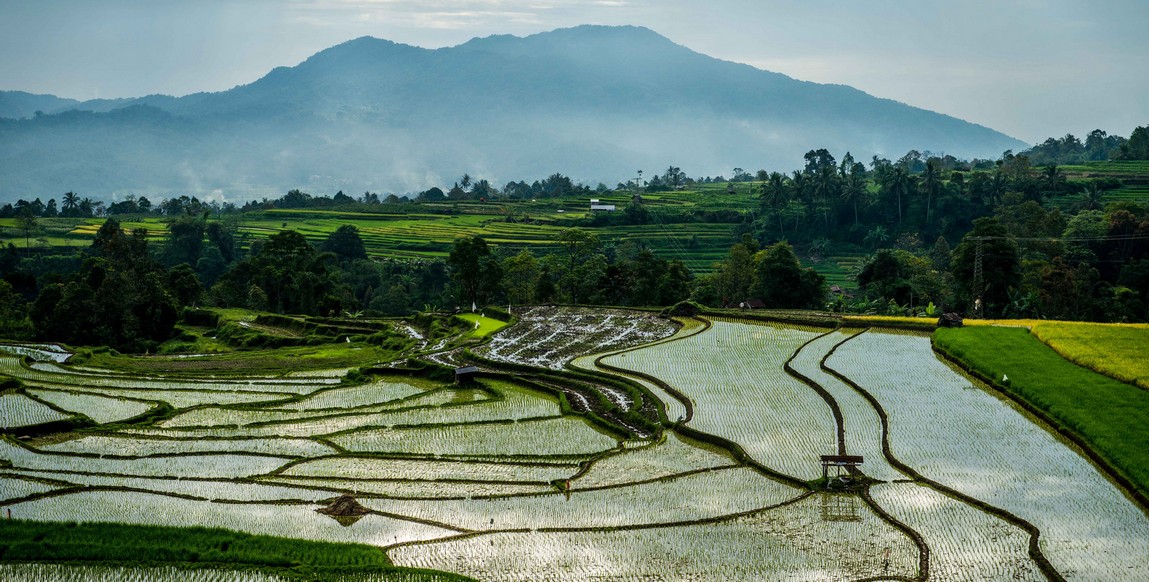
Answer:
[(978, 275)]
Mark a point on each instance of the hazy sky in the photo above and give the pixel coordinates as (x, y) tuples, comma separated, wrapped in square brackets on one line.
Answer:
[(1029, 68)]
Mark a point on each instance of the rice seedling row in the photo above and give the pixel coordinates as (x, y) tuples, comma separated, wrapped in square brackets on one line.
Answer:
[(514, 403), (142, 446), (209, 489), (791, 542), (102, 409), (674, 455), (295, 521), (966, 544), (42, 352), (698, 496), (86, 373), (33, 572), (372, 468), (218, 466), (549, 437), (733, 373), (549, 337), (177, 398), (965, 438), (18, 410), (13, 367), (376, 392), (672, 406), (12, 486), (863, 426), (72, 573), (430, 489)]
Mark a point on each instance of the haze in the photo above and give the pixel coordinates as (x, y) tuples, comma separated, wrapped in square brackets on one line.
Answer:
[(1031, 69)]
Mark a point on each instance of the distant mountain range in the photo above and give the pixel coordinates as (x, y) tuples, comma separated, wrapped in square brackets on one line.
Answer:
[(594, 103)]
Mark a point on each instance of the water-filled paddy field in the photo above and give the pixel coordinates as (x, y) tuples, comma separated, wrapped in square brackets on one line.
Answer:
[(532, 472)]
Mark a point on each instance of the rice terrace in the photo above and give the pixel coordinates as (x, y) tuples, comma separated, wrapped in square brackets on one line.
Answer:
[(574, 444), (558, 291)]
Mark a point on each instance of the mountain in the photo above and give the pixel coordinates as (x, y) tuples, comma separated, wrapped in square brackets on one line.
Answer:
[(596, 103)]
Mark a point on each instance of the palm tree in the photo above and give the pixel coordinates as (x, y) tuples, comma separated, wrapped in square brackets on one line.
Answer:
[(900, 184), (1053, 179), (825, 188), (799, 190), (998, 183), (799, 185), (1093, 196), (877, 237), (773, 196), (71, 202), (853, 188), (932, 182)]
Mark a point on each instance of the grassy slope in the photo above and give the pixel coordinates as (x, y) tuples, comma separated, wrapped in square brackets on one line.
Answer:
[(1110, 416), (484, 326), (29, 541)]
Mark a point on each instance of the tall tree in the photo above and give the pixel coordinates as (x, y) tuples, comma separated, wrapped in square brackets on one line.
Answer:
[(578, 247), (70, 205), (735, 275), (900, 185), (346, 243), (781, 282), (475, 273), (521, 277), (931, 183)]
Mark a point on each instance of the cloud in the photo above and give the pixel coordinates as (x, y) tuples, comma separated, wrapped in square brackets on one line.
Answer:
[(440, 14)]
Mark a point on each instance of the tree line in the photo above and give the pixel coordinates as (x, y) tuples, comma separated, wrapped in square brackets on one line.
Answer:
[(1047, 246)]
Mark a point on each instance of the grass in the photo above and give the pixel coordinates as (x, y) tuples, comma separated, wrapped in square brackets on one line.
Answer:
[(1110, 416), (30, 541), (484, 326)]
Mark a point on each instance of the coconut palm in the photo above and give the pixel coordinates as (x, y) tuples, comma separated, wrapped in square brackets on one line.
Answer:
[(899, 184), (70, 202), (931, 183)]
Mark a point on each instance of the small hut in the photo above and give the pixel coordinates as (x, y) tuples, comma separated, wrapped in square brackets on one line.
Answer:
[(950, 320), (466, 374), (847, 463)]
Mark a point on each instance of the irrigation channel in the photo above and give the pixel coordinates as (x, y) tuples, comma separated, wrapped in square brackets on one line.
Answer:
[(591, 444)]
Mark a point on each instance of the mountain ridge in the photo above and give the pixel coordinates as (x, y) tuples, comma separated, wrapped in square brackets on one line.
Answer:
[(592, 102)]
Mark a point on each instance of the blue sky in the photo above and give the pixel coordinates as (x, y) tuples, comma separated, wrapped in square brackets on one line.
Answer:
[(1030, 68)]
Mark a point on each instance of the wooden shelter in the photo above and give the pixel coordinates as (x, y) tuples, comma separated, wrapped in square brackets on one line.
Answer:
[(950, 320), (466, 374), (847, 463)]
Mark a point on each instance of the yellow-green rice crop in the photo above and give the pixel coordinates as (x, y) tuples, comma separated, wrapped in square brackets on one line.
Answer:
[(1116, 350)]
